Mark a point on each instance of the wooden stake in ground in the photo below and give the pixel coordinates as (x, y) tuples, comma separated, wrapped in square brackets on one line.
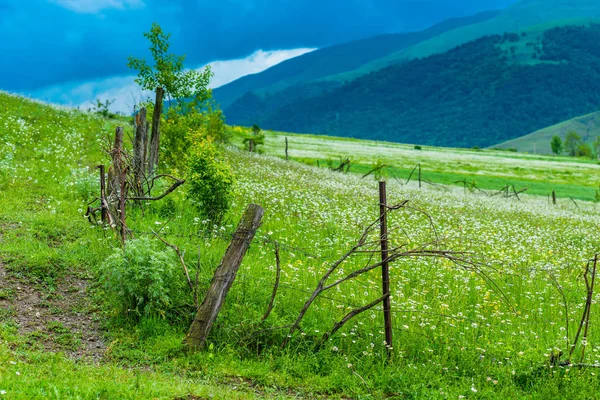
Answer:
[(155, 138), (286, 148), (139, 151), (385, 268), (224, 277)]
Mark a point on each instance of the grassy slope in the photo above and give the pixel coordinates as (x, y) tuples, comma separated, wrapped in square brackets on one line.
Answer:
[(490, 169), (587, 126), (520, 16), (333, 60), (454, 335)]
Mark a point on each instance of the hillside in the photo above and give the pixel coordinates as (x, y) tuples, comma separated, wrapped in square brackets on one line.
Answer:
[(334, 60), (64, 334), (482, 93), (516, 18), (587, 126)]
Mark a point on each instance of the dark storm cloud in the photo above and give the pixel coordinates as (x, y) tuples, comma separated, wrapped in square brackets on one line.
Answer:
[(49, 42)]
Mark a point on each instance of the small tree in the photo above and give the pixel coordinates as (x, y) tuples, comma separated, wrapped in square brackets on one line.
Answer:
[(597, 147), (584, 150), (254, 139), (572, 143), (168, 77), (556, 144)]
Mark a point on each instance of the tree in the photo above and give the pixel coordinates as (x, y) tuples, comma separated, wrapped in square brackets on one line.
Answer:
[(556, 144), (584, 150), (188, 88), (255, 139), (572, 143), (597, 146)]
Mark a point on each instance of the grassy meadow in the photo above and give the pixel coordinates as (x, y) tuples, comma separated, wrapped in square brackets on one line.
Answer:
[(458, 333), (489, 169)]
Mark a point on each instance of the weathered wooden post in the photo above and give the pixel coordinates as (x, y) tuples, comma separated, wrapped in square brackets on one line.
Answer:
[(286, 148), (385, 268), (139, 152), (223, 278), (419, 176), (103, 202), (155, 138), (553, 197)]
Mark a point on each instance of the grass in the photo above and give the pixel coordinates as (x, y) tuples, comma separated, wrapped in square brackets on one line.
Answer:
[(455, 333), (489, 169)]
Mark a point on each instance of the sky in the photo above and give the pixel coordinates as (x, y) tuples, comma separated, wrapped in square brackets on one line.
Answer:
[(74, 51)]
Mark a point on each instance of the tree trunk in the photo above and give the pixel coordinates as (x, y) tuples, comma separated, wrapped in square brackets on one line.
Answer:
[(155, 139), (116, 154), (223, 278), (139, 152)]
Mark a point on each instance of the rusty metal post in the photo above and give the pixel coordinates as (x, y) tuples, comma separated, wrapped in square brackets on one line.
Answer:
[(385, 268)]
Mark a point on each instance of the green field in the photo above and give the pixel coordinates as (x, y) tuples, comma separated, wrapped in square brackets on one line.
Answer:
[(484, 332), (489, 169)]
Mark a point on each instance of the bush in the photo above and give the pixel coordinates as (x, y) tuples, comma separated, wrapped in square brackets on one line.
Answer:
[(210, 180), (142, 282), (417, 147), (178, 130)]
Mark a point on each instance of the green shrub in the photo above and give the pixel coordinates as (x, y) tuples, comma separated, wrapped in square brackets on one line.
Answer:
[(141, 281)]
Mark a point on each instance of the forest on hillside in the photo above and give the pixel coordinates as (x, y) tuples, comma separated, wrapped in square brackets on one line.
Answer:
[(477, 94)]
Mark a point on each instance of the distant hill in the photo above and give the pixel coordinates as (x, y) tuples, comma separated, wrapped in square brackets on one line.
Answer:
[(518, 17), (334, 60), (587, 126), (481, 93)]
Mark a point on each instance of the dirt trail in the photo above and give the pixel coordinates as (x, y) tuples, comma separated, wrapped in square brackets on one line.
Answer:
[(53, 320)]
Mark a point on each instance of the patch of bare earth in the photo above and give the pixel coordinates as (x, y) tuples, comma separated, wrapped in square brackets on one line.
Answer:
[(55, 320)]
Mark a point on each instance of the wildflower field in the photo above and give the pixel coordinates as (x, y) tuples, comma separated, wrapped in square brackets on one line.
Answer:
[(491, 329)]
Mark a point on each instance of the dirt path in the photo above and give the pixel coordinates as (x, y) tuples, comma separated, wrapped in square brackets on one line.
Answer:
[(52, 320)]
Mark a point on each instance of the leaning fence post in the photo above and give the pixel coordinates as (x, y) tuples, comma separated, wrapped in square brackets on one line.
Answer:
[(103, 202), (385, 268), (223, 278)]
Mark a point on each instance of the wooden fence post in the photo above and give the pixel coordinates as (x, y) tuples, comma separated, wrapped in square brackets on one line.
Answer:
[(223, 278), (419, 178), (139, 152), (103, 202), (385, 268), (286, 148), (155, 138), (553, 197)]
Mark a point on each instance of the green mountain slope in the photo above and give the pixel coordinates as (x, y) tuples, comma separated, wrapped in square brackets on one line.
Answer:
[(481, 93), (587, 126), (518, 17), (335, 59)]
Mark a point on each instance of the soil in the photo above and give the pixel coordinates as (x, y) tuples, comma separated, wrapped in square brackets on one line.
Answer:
[(56, 320)]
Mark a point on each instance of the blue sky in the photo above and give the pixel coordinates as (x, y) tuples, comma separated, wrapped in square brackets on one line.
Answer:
[(56, 48)]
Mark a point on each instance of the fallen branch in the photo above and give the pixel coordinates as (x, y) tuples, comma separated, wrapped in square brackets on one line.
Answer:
[(351, 315), (276, 286)]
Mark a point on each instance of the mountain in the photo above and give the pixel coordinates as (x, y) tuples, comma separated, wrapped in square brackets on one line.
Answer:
[(335, 60), (518, 17), (481, 93), (587, 126)]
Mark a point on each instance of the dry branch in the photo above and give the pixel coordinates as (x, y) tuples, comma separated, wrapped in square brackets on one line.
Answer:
[(185, 269), (351, 315), (276, 286)]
